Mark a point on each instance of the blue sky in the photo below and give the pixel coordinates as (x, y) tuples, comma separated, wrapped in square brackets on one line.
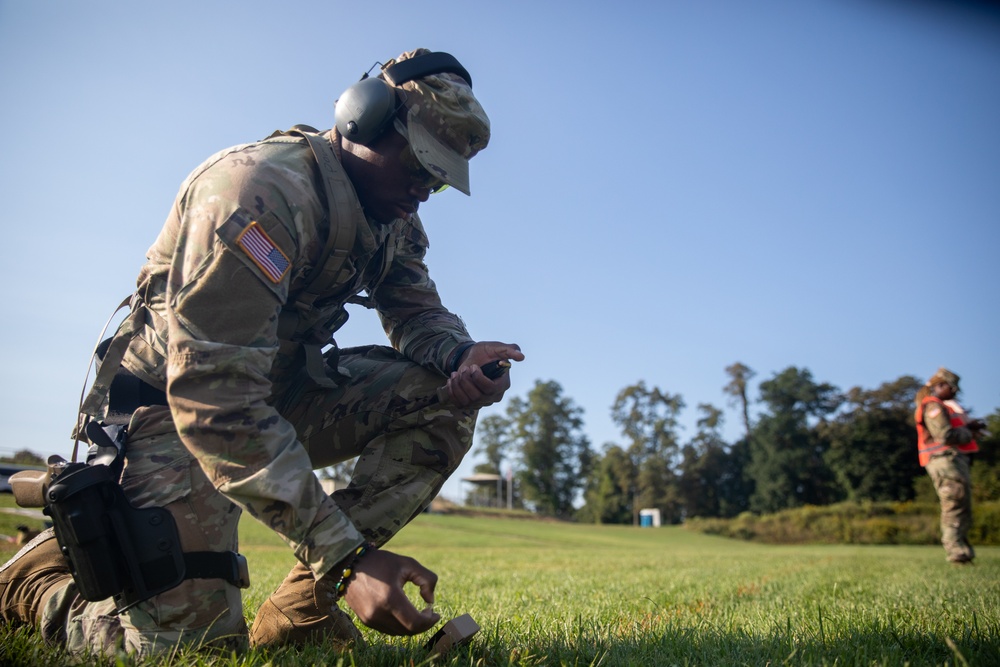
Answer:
[(671, 187)]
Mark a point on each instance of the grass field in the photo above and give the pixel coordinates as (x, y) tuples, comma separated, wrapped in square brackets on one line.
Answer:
[(564, 594)]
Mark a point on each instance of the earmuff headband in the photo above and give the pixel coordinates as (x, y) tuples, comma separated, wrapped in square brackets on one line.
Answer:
[(437, 62)]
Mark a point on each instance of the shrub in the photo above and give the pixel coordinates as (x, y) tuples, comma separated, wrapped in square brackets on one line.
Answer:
[(853, 523)]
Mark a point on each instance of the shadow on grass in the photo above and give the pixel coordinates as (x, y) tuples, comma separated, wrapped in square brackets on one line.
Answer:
[(21, 647)]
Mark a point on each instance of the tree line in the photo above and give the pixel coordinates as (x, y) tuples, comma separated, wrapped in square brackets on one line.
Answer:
[(809, 444)]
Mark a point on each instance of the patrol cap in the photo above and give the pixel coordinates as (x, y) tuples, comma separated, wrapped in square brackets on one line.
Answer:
[(944, 375), (446, 124)]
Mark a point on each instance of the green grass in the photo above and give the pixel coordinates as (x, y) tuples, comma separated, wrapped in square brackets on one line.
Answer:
[(12, 516), (565, 594)]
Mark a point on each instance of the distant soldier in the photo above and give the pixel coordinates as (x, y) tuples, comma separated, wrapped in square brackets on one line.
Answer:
[(233, 389), (945, 438)]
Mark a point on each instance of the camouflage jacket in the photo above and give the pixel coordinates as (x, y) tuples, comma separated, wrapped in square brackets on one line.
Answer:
[(245, 233)]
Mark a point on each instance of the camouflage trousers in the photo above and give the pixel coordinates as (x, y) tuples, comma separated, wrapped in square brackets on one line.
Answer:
[(385, 414), (950, 473)]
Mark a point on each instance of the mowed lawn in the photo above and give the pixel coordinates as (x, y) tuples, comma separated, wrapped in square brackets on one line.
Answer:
[(555, 593), (549, 593)]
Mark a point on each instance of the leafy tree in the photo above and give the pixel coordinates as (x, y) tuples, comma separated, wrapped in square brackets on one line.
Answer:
[(696, 488), (700, 458), (609, 489), (712, 481), (986, 463), (787, 464), (555, 456), (656, 487), (648, 418), (739, 378), (873, 451), (709, 428), (495, 442), (735, 487), (794, 392)]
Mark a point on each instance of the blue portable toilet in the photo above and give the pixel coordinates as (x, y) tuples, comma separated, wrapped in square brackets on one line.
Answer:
[(649, 518)]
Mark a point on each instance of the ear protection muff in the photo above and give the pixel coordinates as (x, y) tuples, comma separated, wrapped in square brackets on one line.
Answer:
[(365, 110)]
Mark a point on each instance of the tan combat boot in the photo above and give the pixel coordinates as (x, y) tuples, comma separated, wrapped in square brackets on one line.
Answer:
[(30, 578), (292, 617)]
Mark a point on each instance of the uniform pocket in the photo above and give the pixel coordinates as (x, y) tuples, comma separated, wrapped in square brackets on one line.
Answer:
[(158, 472)]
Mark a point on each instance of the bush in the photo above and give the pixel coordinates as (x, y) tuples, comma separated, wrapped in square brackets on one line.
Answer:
[(853, 523), (985, 523)]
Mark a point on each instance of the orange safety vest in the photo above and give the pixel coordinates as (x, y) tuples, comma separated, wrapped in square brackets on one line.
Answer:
[(927, 447)]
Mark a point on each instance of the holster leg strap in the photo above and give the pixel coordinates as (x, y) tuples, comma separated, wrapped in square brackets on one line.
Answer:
[(227, 565)]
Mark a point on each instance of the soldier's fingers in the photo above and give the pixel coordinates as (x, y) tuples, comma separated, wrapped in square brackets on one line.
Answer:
[(426, 580), (513, 352), (457, 391), (481, 382), (411, 621)]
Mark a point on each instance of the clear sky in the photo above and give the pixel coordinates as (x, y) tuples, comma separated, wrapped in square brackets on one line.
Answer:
[(671, 187)]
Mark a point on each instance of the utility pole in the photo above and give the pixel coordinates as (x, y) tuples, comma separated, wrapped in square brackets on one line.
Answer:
[(510, 487)]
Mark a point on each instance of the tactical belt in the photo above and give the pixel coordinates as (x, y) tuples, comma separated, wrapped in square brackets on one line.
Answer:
[(127, 394)]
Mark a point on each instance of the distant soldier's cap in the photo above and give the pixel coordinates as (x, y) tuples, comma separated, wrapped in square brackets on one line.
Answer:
[(944, 375), (446, 125)]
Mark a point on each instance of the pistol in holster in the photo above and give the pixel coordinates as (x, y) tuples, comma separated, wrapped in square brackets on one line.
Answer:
[(114, 549)]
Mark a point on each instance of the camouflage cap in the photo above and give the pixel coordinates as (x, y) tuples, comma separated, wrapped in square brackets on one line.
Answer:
[(944, 375), (445, 123)]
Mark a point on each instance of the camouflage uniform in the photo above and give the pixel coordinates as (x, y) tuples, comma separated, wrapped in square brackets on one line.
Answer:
[(949, 470), (945, 443), (226, 331)]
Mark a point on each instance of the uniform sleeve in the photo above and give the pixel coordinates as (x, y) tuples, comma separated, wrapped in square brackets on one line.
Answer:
[(939, 426), (407, 301), (235, 252)]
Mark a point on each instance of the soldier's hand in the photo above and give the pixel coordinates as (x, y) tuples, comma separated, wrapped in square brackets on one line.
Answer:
[(376, 593), (468, 387)]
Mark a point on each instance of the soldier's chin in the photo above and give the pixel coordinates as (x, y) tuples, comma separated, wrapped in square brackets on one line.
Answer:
[(404, 212), (386, 214)]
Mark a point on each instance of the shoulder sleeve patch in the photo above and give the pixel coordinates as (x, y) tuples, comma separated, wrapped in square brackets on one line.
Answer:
[(253, 238), (265, 254)]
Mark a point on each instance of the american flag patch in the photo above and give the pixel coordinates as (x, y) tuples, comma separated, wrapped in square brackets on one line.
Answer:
[(256, 243)]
